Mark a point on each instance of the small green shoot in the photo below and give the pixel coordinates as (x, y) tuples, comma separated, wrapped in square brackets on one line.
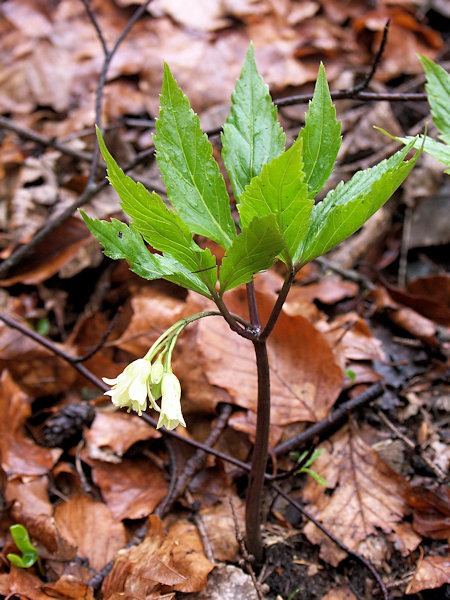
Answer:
[(22, 541), (351, 375), (305, 468)]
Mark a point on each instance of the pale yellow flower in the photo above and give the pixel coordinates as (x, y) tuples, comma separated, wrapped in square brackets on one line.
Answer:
[(131, 387), (171, 415)]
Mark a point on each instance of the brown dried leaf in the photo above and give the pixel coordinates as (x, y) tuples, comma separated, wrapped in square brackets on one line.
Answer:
[(328, 291), (341, 593), (49, 256), (154, 311), (220, 527), (351, 337), (406, 318), (32, 508), (428, 295), (116, 431), (90, 526), (37, 369), (68, 587), (25, 584), (19, 454), (431, 511), (366, 495), (159, 564), (431, 573), (132, 489), (305, 380)]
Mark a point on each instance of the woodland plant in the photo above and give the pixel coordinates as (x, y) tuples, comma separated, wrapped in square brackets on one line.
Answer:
[(274, 190)]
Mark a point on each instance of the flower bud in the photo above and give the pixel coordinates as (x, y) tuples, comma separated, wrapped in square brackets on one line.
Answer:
[(171, 415)]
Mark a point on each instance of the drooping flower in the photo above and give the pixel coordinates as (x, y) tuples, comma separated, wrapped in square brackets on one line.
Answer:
[(130, 388), (171, 415)]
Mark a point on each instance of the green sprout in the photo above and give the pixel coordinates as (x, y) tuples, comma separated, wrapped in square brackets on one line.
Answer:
[(29, 552), (304, 468)]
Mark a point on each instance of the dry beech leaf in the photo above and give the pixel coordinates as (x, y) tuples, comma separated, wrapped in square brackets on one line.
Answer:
[(404, 538), (132, 488), (26, 585), (68, 587), (153, 312), (19, 454), (430, 296), (432, 572), (341, 593), (48, 257), (161, 563), (39, 371), (366, 495), (431, 511), (220, 527), (305, 380), (31, 507), (245, 421), (328, 291), (406, 318), (117, 431), (350, 336), (90, 526)]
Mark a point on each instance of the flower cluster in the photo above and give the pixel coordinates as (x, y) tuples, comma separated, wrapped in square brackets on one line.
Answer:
[(147, 380)]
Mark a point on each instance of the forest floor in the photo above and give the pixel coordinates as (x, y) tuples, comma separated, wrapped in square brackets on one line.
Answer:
[(118, 509)]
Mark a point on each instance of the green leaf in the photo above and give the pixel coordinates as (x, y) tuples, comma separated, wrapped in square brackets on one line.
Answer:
[(22, 541), (121, 241), (350, 204), (160, 227), (437, 150), (252, 135), (194, 184), (321, 137), (438, 90), (280, 190), (252, 251)]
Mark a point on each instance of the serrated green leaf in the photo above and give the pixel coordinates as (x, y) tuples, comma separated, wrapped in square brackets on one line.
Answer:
[(321, 136), (350, 204), (254, 250), (160, 227), (194, 183), (437, 150), (438, 90), (121, 241), (252, 135), (280, 190)]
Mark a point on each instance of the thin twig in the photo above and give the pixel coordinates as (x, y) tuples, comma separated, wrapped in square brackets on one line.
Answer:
[(194, 506), (42, 140), (415, 447), (349, 274), (109, 55), (331, 422), (101, 343), (246, 557), (53, 348), (96, 26), (197, 461), (359, 557), (365, 83)]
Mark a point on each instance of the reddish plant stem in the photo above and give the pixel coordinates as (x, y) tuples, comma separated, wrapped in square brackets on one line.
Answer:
[(253, 503), (278, 306)]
